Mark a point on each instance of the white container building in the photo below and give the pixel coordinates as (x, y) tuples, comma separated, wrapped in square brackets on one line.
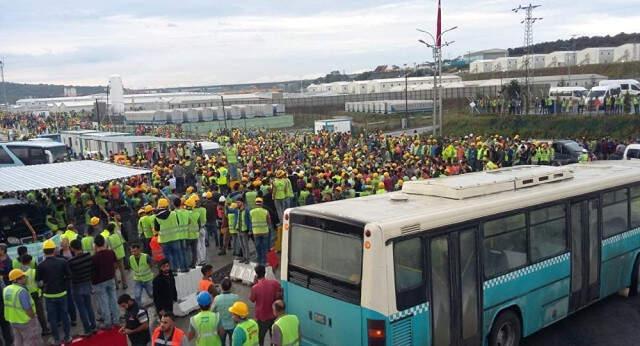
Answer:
[(627, 52), (599, 55)]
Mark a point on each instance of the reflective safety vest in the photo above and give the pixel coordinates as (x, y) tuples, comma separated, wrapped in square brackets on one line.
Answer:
[(176, 338), (87, 244), (222, 179), (251, 196), (13, 311), (105, 234), (69, 234), (233, 228), (116, 244), (193, 229), (145, 226), (289, 327), (280, 185), (302, 199), (259, 223), (250, 328), (380, 191), (141, 269), (168, 228), (232, 154), (32, 286), (206, 328), (183, 216)]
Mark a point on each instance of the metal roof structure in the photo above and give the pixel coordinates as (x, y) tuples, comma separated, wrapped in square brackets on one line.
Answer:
[(54, 175)]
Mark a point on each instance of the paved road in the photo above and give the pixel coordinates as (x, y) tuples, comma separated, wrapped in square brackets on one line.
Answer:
[(611, 322)]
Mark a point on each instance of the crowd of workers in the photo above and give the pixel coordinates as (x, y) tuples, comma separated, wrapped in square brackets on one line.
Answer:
[(158, 225), (609, 105)]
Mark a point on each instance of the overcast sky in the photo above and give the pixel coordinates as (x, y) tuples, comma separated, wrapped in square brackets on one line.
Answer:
[(199, 42)]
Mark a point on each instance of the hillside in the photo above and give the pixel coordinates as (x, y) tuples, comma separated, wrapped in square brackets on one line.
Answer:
[(579, 43), (627, 70), (16, 91)]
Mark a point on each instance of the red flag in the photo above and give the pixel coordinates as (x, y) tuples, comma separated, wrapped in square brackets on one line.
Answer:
[(439, 27)]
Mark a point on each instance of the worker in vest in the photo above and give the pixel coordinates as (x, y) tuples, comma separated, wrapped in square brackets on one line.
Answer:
[(167, 333), (55, 275), (87, 241), (148, 228), (29, 269), (70, 233), (232, 217), (184, 220), (20, 311), (280, 191), (261, 226), (223, 179), (246, 331), (304, 195), (231, 153), (244, 230), (380, 189), (116, 244), (286, 328), (205, 327), (192, 231), (142, 275), (16, 262), (166, 224), (250, 196)]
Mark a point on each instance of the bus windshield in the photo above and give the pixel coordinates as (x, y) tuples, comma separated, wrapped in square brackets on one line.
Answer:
[(59, 153), (330, 254)]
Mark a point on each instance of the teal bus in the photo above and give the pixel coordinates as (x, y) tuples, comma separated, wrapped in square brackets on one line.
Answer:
[(485, 258)]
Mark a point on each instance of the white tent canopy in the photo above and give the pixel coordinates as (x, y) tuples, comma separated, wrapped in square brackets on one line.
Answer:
[(54, 175)]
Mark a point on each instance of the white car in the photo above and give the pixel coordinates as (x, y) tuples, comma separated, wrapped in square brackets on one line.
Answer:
[(632, 151)]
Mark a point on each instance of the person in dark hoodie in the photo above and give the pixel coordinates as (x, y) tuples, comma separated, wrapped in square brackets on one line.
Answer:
[(164, 288)]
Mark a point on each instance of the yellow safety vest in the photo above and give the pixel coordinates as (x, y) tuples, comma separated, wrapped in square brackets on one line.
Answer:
[(141, 269), (250, 328), (116, 244), (193, 230), (87, 244), (168, 228), (13, 311), (183, 223), (206, 326), (289, 326), (259, 220)]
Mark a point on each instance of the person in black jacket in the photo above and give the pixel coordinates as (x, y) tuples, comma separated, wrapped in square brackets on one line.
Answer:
[(164, 288)]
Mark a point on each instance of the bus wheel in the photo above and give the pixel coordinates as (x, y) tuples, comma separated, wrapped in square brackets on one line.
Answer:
[(635, 278), (506, 330)]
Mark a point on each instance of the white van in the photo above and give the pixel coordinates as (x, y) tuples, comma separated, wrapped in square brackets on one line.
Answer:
[(632, 151), (600, 92), (631, 86), (572, 93)]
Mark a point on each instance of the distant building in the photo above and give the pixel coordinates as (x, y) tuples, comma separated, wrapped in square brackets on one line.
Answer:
[(481, 66), (487, 54), (562, 58), (598, 55), (506, 64), (535, 61), (627, 52), (70, 92)]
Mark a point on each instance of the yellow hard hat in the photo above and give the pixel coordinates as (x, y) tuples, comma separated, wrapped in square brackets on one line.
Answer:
[(148, 209), (15, 274), (141, 211), (239, 308), (190, 189), (234, 205), (163, 203), (259, 200), (381, 185), (48, 245), (209, 195), (191, 203), (94, 221)]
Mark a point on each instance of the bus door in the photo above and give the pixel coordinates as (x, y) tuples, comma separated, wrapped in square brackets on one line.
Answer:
[(585, 253), (455, 288)]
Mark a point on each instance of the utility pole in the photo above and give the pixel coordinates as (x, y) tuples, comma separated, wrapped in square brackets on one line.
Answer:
[(4, 86), (528, 21)]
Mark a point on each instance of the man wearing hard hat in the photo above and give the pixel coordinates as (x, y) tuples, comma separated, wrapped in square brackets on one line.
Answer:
[(19, 310), (260, 225), (246, 331), (205, 327), (166, 223), (55, 274)]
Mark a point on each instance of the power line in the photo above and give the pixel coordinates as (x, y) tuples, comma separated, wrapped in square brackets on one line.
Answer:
[(528, 21)]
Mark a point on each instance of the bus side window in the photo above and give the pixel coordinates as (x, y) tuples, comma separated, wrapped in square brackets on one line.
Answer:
[(547, 232), (408, 264), (635, 206), (614, 212), (505, 244)]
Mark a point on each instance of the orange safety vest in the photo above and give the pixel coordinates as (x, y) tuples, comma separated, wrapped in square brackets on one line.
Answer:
[(204, 285), (178, 334)]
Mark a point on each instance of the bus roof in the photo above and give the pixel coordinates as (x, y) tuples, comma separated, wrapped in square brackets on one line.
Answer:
[(36, 144), (483, 194)]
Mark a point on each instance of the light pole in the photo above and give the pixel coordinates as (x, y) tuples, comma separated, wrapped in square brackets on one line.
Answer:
[(437, 49), (224, 114), (4, 86)]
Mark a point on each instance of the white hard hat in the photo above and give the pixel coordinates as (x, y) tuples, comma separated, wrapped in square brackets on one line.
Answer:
[(222, 199)]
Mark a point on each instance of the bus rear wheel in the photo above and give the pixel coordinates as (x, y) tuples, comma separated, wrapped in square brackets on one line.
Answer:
[(506, 330)]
